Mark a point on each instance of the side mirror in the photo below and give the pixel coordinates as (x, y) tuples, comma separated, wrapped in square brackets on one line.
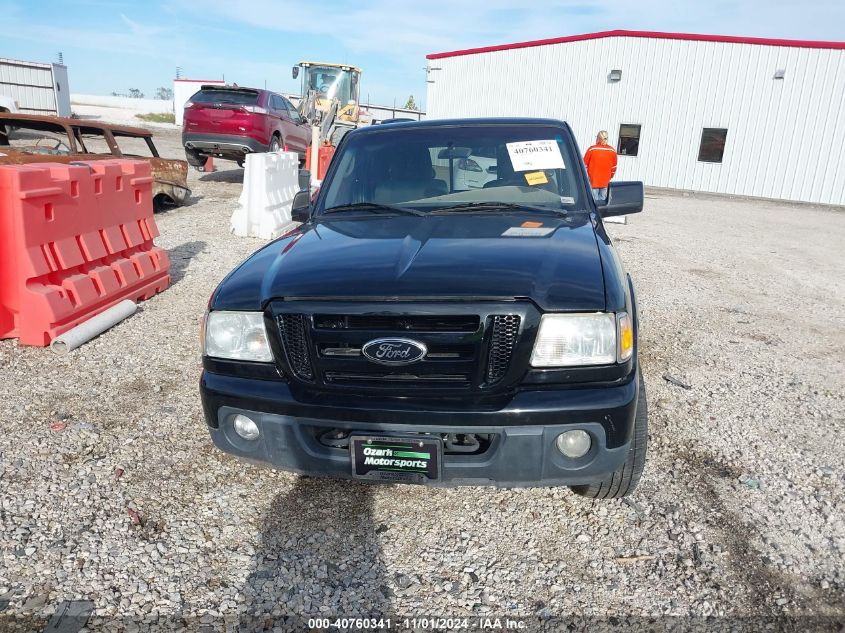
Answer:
[(295, 72), (301, 208), (623, 198)]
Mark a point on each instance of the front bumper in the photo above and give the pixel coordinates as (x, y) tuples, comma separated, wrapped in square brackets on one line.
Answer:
[(522, 452)]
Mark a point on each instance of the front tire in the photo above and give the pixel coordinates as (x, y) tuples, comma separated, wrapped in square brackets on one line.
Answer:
[(275, 144), (624, 481)]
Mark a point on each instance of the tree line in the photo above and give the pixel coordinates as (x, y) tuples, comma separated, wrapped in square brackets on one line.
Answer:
[(165, 94)]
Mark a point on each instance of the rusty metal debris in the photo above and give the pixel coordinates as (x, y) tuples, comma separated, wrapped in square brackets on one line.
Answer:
[(635, 559), (29, 138), (674, 381), (136, 517)]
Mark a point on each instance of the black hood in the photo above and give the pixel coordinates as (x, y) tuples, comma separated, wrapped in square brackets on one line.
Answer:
[(472, 256)]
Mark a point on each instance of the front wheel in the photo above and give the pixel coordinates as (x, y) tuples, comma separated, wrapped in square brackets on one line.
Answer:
[(624, 481), (275, 145)]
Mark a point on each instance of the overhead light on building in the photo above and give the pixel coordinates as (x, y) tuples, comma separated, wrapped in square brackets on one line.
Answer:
[(615, 75), (780, 74)]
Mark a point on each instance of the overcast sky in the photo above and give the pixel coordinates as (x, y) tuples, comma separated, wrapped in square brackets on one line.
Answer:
[(113, 46)]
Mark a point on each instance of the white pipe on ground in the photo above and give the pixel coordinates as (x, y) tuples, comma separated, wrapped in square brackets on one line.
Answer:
[(94, 326)]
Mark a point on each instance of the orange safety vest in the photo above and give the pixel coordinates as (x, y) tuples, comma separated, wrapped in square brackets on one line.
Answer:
[(601, 165)]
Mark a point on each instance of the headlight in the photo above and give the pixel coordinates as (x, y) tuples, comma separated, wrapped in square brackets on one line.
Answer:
[(572, 340), (236, 335)]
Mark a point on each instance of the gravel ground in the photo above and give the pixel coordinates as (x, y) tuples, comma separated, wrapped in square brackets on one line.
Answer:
[(111, 491)]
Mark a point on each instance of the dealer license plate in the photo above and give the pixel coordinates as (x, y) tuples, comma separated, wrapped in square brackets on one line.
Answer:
[(403, 459)]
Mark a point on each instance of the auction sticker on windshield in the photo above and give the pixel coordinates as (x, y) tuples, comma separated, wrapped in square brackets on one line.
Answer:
[(534, 155), (536, 178), (400, 459)]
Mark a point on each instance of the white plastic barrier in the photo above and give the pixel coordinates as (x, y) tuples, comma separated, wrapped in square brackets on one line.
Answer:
[(271, 181)]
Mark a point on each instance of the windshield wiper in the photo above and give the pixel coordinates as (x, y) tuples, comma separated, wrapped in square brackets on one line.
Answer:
[(373, 207), (496, 206)]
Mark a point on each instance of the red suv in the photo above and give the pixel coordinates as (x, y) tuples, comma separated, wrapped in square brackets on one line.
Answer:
[(230, 122)]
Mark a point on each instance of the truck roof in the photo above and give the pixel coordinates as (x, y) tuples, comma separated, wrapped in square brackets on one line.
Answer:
[(330, 65), (431, 123)]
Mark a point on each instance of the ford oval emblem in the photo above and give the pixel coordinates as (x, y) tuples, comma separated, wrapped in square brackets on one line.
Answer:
[(394, 351)]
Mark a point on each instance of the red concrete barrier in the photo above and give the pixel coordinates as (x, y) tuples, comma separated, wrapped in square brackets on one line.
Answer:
[(74, 240)]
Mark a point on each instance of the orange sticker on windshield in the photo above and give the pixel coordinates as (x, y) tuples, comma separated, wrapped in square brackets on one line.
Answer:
[(531, 225), (536, 178)]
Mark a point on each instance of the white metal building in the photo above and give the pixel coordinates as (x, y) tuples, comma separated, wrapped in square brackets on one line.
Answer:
[(38, 88), (744, 116), (183, 89)]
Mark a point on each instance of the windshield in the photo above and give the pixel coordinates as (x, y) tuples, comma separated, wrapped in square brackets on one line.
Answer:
[(443, 168), (330, 83), (35, 137)]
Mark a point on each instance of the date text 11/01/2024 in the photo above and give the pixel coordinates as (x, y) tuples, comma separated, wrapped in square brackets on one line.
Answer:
[(422, 623)]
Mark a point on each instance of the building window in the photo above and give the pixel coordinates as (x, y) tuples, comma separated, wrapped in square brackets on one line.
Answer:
[(629, 139), (712, 145)]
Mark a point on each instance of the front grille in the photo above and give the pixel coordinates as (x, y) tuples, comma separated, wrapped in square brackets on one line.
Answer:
[(470, 346), (358, 378), (292, 328), (397, 323), (502, 341)]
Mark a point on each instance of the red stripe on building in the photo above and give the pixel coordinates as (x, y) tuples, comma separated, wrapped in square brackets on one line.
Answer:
[(761, 41)]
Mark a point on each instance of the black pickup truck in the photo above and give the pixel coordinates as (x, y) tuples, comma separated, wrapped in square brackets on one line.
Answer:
[(450, 312)]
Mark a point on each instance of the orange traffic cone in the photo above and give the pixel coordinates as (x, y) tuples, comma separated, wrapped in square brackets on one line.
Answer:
[(209, 165)]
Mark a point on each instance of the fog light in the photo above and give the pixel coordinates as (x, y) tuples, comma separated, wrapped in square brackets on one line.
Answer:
[(245, 427), (574, 444)]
